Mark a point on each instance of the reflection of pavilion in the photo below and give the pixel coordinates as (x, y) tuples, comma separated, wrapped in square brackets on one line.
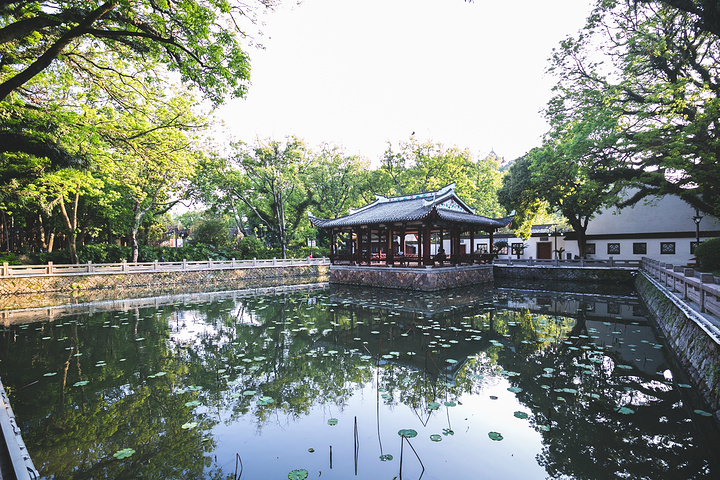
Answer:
[(410, 231)]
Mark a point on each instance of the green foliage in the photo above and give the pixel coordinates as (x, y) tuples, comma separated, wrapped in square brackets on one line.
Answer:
[(103, 253), (708, 255), (641, 82), (212, 231), (423, 167), (251, 247), (182, 38)]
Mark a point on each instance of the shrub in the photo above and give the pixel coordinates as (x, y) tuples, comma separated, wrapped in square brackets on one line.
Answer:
[(212, 232), (251, 247), (708, 255), (103, 253)]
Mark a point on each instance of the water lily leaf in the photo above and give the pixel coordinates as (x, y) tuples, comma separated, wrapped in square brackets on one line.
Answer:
[(81, 383), (311, 450), (451, 361), (684, 385), (49, 374), (435, 437), (495, 436), (386, 458), (124, 453), (515, 389), (332, 421), (493, 397), (433, 406), (299, 474), (544, 428), (624, 367), (189, 425), (450, 404), (249, 393), (194, 403), (407, 433), (521, 415), (140, 339), (625, 410), (448, 431), (703, 413)]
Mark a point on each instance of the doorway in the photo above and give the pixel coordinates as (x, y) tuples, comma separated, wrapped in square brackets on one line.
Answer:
[(544, 251)]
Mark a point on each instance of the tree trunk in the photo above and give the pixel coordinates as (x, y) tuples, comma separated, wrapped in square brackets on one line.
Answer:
[(71, 226)]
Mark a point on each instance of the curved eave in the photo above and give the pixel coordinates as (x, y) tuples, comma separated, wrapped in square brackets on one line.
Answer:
[(446, 215)]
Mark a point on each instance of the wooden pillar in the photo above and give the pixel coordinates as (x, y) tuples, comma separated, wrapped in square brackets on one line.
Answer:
[(427, 257), (368, 246), (332, 246), (390, 255), (490, 247), (419, 245), (472, 245)]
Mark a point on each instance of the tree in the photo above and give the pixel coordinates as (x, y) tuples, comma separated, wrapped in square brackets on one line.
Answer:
[(199, 40), (149, 154), (422, 167), (646, 73), (63, 189), (556, 176), (269, 182)]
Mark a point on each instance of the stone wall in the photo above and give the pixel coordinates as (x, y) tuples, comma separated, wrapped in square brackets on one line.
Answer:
[(38, 291), (565, 274), (691, 336), (422, 279)]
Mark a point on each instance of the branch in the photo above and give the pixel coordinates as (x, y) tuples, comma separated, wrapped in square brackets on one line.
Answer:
[(56, 49)]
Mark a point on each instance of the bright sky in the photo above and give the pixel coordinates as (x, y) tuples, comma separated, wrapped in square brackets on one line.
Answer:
[(360, 73)]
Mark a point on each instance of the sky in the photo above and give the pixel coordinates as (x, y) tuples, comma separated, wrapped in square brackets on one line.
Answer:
[(361, 73)]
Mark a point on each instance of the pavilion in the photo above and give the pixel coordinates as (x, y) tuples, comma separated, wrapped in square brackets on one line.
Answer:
[(409, 232)]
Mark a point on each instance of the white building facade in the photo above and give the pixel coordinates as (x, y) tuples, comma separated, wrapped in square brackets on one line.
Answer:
[(661, 228)]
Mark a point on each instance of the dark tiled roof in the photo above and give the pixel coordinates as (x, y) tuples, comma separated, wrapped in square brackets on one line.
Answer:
[(473, 219), (412, 208)]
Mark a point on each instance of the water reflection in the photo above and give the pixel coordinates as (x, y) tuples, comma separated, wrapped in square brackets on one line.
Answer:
[(578, 385)]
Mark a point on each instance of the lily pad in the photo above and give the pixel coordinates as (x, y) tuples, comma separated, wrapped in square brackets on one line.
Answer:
[(299, 474), (333, 421), (124, 453), (80, 384), (625, 410), (194, 403), (50, 374), (515, 389), (433, 406), (450, 404), (386, 458), (448, 431), (703, 413), (522, 415), (435, 437), (407, 433), (189, 425), (249, 393), (495, 436)]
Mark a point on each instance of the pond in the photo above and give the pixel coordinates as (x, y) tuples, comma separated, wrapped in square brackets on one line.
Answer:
[(338, 382)]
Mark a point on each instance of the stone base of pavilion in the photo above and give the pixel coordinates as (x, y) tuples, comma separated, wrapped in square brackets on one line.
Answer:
[(427, 279)]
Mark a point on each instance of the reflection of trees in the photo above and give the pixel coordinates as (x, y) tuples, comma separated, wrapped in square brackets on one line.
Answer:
[(304, 352), (585, 433)]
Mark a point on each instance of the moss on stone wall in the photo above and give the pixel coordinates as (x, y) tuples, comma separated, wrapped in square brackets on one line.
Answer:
[(697, 352)]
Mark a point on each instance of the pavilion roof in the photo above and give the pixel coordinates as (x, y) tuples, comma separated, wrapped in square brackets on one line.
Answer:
[(444, 203)]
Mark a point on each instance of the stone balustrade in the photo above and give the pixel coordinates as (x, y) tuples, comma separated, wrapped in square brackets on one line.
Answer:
[(700, 288)]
